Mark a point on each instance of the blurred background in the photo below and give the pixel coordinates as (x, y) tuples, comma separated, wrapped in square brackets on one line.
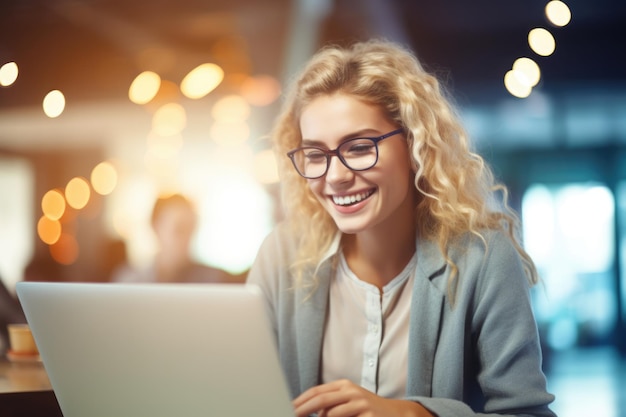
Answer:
[(107, 104)]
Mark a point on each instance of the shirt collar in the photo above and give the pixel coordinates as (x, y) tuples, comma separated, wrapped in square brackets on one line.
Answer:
[(430, 259), (332, 250)]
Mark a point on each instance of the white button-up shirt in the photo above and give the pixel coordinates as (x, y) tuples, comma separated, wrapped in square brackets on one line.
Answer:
[(367, 332)]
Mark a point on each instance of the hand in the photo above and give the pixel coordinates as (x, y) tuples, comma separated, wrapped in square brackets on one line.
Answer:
[(344, 398)]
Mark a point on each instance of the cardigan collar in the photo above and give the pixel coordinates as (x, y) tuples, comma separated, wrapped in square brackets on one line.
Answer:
[(430, 286), (427, 309)]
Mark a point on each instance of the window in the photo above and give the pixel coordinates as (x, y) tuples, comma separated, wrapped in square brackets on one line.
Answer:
[(569, 233), (16, 214)]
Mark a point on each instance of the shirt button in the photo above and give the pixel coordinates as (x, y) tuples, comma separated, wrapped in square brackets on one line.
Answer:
[(371, 363)]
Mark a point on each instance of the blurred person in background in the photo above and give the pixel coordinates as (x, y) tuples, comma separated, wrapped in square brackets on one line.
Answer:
[(174, 221), (397, 285)]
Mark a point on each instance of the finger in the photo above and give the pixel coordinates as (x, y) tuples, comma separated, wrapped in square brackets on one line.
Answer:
[(315, 391), (345, 409), (320, 402)]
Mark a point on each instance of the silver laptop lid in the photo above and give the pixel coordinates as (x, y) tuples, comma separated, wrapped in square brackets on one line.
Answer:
[(156, 349)]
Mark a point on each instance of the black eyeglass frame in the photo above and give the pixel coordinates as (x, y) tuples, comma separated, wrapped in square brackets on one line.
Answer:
[(334, 152)]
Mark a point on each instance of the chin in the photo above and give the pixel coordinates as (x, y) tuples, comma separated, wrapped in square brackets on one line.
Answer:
[(348, 231), (350, 227)]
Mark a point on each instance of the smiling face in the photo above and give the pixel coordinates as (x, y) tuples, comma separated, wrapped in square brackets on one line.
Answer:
[(359, 201)]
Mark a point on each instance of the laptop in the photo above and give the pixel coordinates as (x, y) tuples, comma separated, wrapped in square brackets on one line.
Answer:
[(122, 350)]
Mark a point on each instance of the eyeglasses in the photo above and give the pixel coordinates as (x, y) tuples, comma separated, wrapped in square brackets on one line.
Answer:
[(358, 154)]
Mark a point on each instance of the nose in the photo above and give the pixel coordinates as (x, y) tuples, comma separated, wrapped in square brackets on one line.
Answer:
[(337, 171)]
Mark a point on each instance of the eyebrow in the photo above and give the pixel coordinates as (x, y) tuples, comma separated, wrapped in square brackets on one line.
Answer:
[(363, 133)]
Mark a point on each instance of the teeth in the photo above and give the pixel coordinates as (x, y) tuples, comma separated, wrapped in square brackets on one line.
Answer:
[(351, 199)]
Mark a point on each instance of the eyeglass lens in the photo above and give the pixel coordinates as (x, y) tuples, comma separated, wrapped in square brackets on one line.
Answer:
[(357, 154)]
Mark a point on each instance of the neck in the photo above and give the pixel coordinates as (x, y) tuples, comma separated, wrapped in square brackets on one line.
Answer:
[(379, 254)]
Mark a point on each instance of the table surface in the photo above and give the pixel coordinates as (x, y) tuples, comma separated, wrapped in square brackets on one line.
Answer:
[(25, 390), (22, 376)]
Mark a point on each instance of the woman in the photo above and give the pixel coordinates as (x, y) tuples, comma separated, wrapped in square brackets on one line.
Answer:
[(396, 285)]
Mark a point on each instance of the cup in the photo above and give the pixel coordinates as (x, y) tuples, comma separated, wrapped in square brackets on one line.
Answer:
[(21, 341)]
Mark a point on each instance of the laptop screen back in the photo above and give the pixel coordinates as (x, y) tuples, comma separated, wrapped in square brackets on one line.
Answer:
[(156, 349)]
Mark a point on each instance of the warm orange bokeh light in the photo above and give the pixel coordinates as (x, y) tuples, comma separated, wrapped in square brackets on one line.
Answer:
[(260, 90), (202, 80), (65, 250), (48, 230), (144, 87), (231, 108), (53, 204), (77, 193), (104, 178), (170, 119)]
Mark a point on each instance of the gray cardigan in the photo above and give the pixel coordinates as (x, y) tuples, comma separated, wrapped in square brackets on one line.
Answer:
[(480, 355)]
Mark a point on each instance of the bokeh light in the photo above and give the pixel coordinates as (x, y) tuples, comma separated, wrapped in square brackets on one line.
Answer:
[(558, 13), (541, 42), (8, 74), (260, 90), (104, 178), (164, 147), (170, 119), (77, 193), (201, 80), (54, 104), (515, 87), (48, 230), (144, 87), (527, 71), (65, 249), (231, 108), (53, 204)]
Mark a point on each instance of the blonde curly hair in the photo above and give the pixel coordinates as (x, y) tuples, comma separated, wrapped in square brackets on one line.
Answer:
[(458, 192)]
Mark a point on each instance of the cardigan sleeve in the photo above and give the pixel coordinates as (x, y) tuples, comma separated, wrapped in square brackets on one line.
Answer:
[(508, 347), (494, 296), (269, 273), (266, 273)]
